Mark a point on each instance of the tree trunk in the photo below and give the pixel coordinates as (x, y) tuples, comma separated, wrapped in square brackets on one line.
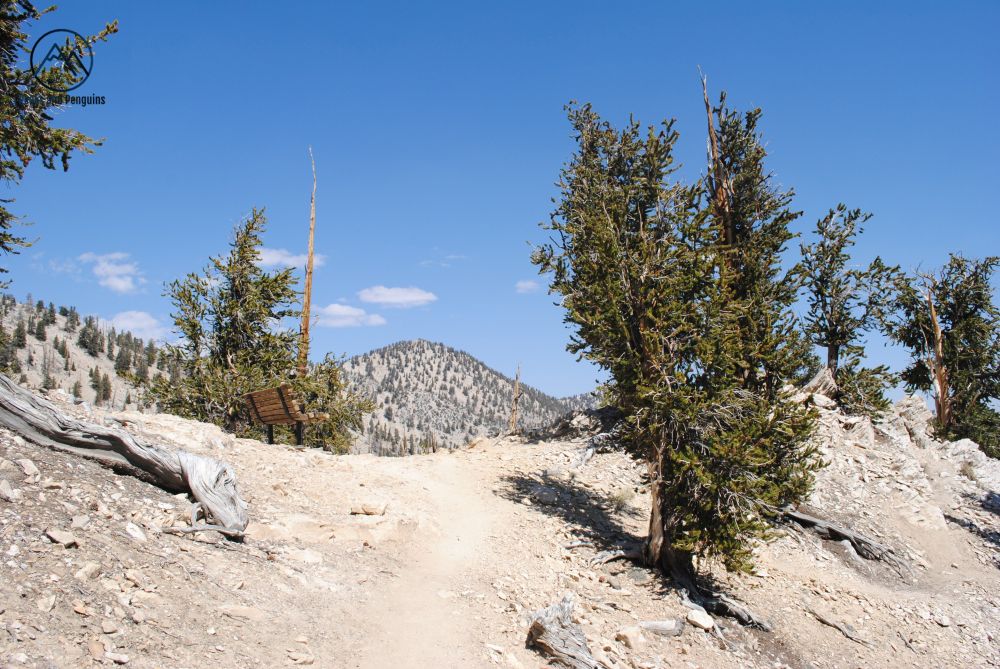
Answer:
[(212, 483), (942, 400), (303, 361), (833, 358)]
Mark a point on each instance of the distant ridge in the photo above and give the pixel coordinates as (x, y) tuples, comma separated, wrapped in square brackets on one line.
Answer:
[(429, 394)]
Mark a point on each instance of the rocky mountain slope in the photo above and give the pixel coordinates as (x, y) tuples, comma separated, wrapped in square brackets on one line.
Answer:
[(52, 353), (431, 394), (428, 395), (441, 560)]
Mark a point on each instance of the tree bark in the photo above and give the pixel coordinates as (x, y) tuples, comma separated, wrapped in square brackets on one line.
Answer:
[(210, 482), (833, 358), (553, 631), (942, 401)]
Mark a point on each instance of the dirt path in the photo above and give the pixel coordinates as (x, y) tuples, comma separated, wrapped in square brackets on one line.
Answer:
[(420, 619)]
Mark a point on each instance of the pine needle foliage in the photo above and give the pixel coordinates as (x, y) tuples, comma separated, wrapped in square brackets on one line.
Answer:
[(233, 340), (26, 107), (964, 327), (844, 303), (693, 323)]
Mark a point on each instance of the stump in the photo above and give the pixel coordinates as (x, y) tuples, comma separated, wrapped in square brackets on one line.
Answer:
[(553, 631)]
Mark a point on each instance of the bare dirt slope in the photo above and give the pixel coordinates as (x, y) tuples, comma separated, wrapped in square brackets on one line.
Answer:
[(468, 545)]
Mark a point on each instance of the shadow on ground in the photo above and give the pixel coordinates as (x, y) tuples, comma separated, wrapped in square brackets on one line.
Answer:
[(589, 513)]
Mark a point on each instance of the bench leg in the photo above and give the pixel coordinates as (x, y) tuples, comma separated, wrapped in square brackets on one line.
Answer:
[(298, 434), (270, 434)]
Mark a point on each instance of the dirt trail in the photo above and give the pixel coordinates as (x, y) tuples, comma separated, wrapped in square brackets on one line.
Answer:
[(415, 619)]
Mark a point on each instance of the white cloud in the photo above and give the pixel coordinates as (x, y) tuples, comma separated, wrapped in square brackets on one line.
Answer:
[(344, 316), (285, 258), (140, 323), (402, 298), (115, 271), (526, 286)]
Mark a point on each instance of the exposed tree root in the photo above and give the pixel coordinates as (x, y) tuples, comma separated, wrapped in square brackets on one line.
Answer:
[(843, 628), (864, 546), (692, 596)]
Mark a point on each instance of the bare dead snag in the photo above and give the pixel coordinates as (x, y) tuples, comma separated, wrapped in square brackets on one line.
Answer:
[(553, 631), (303, 361), (211, 482), (512, 423)]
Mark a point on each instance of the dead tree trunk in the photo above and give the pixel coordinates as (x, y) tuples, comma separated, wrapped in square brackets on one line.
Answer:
[(553, 632), (212, 483), (512, 424), (303, 362)]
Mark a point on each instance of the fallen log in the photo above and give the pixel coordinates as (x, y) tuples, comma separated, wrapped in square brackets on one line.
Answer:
[(553, 631), (210, 482)]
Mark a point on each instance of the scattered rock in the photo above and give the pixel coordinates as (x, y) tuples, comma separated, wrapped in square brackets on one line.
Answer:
[(31, 473), (943, 621), (7, 492), (96, 649), (243, 612), (61, 537), (669, 627), (46, 603), (88, 571), (80, 522), (109, 626), (700, 619), (369, 509), (117, 658), (135, 531), (631, 637), (301, 658)]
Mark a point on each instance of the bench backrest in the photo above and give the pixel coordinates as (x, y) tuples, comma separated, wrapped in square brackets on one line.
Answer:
[(276, 406)]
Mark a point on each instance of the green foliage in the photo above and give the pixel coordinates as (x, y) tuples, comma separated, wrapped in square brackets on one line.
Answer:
[(845, 302), (970, 344), (687, 308), (230, 319), (26, 111)]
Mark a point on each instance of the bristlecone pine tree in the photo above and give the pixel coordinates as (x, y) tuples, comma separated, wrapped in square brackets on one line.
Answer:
[(951, 326), (677, 291), (25, 109), (233, 341), (845, 303)]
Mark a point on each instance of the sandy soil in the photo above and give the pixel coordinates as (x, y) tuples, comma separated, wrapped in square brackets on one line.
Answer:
[(469, 544)]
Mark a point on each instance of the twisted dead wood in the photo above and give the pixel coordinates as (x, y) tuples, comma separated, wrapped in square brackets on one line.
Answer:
[(210, 482)]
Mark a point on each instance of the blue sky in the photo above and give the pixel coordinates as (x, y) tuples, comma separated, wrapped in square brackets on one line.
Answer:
[(439, 132)]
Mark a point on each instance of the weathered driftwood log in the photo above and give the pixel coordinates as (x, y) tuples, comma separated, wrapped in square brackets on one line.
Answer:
[(553, 631), (211, 482)]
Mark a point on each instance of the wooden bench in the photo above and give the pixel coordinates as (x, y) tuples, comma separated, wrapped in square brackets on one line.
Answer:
[(281, 406)]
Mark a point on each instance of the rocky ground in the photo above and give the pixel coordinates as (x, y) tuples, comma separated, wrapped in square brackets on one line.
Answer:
[(440, 560)]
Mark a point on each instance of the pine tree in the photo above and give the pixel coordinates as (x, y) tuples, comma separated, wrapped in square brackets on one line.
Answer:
[(26, 110), (77, 389), (39, 331), (231, 344), (677, 291), (951, 326), (20, 334), (845, 303)]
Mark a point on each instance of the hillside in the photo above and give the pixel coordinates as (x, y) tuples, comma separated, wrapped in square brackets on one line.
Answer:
[(428, 395), (61, 349), (462, 547), (431, 393)]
